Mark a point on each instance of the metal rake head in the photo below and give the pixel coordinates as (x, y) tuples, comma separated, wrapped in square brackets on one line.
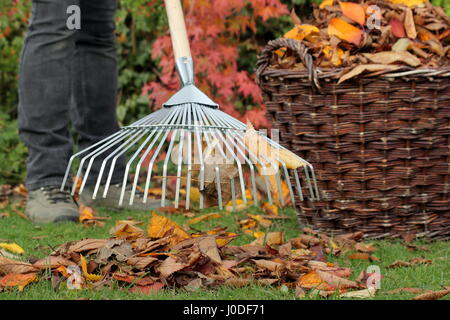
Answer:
[(193, 144)]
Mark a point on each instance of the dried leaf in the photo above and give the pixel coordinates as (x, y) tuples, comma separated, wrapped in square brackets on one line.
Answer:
[(88, 276), (407, 290), (432, 295), (126, 229), (345, 31), (267, 264), (12, 247), (294, 17), (366, 67), (141, 262), (270, 209), (397, 28), (147, 290), (169, 266), (86, 213), (208, 246), (335, 281), (87, 245), (361, 294), (388, 57), (52, 262), (18, 280), (275, 238), (159, 227), (409, 24), (14, 266), (208, 216), (353, 11)]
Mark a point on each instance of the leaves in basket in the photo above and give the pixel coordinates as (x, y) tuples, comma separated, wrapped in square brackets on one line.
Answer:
[(345, 31)]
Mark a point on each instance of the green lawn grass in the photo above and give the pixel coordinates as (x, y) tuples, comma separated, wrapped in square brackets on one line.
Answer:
[(16, 229)]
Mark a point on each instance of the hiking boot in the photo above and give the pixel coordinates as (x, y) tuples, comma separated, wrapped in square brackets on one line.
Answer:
[(50, 204), (113, 196)]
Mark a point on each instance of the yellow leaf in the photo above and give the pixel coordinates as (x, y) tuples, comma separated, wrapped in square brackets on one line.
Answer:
[(275, 238), (303, 31), (204, 217), (345, 31), (409, 3), (353, 11), (126, 229), (86, 213), (88, 276), (263, 222), (159, 226), (326, 3), (12, 247), (222, 241), (258, 234), (333, 54), (270, 209), (240, 205)]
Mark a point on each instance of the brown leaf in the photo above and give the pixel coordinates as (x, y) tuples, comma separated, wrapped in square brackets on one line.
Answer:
[(408, 290), (359, 256), (169, 266), (126, 229), (141, 262), (275, 238), (432, 295), (269, 265), (366, 67), (53, 262), (388, 57), (366, 248), (147, 290), (14, 266), (361, 294), (399, 263), (87, 245), (409, 24), (294, 17), (335, 281), (208, 246)]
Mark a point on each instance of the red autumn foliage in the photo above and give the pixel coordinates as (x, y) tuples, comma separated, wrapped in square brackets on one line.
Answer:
[(214, 28)]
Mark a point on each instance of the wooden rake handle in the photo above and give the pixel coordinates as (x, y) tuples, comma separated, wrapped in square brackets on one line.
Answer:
[(178, 33)]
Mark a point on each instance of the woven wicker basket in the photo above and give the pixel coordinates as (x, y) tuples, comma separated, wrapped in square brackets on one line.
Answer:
[(380, 144)]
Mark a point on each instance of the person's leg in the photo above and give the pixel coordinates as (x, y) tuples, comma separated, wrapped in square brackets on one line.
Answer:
[(95, 86), (45, 93), (44, 98)]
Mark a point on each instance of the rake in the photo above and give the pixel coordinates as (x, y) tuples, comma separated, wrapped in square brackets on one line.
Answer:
[(203, 146)]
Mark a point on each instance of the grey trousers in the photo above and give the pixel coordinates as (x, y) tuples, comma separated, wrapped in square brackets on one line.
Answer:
[(67, 77)]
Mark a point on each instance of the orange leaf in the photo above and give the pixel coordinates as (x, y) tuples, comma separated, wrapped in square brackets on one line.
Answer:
[(204, 217), (303, 31), (270, 209), (353, 11), (86, 213), (345, 31), (397, 28), (17, 280)]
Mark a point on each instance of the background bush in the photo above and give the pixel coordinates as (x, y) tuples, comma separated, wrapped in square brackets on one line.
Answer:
[(139, 24)]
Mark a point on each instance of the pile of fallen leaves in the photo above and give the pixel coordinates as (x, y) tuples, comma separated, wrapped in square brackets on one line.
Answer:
[(165, 255), (373, 35)]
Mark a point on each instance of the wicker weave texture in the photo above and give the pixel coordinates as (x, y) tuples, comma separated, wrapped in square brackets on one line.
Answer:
[(380, 148)]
